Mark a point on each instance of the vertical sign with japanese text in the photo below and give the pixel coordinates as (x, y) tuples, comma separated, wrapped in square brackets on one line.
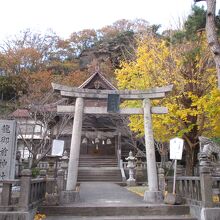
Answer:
[(176, 148), (7, 149), (113, 103)]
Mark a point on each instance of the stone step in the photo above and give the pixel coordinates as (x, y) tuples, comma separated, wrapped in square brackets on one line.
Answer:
[(97, 163), (97, 159), (98, 169), (112, 211), (94, 164), (96, 156), (100, 179), (88, 173), (107, 178), (99, 174), (170, 217)]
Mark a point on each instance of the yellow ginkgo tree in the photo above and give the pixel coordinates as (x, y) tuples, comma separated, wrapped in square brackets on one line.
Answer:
[(194, 104)]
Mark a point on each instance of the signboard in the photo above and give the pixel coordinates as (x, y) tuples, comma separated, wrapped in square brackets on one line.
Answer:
[(113, 103), (176, 148), (7, 149), (57, 148)]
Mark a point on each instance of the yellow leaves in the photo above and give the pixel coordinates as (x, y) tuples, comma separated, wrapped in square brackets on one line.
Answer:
[(136, 124), (139, 190), (210, 104), (150, 59), (39, 216), (194, 102)]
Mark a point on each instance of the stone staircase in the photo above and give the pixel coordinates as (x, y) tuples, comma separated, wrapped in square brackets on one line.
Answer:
[(98, 169), (154, 212), (109, 201), (97, 161)]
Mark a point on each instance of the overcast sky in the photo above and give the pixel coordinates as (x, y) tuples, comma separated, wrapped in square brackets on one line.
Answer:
[(67, 16)]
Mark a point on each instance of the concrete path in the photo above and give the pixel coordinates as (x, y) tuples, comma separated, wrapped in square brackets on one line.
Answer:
[(102, 194), (105, 194), (109, 201)]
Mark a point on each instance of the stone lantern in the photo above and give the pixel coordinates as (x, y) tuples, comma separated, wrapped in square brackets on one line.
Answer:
[(131, 165), (64, 162), (52, 162), (139, 167)]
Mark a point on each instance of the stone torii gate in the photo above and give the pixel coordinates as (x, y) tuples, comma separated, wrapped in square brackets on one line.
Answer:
[(153, 195)]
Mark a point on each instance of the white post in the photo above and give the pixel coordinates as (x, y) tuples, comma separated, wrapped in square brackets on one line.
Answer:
[(152, 195), (119, 148), (174, 178), (75, 145)]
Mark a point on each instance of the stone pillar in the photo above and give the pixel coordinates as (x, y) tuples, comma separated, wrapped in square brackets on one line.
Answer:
[(206, 186), (75, 145), (161, 178), (60, 180), (24, 198), (6, 194), (64, 163), (152, 195), (51, 168), (139, 169)]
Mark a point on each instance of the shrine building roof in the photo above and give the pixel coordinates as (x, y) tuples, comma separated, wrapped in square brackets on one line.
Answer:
[(97, 81)]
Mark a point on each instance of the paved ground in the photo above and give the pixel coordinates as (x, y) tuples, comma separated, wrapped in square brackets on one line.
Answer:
[(105, 197), (107, 194), (103, 194)]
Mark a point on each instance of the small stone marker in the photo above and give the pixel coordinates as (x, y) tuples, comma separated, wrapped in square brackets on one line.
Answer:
[(7, 149)]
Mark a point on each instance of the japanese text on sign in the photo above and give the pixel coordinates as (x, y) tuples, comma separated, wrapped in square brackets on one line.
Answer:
[(113, 103), (176, 148), (7, 148)]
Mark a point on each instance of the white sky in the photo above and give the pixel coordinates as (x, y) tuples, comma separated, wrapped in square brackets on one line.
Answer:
[(67, 16)]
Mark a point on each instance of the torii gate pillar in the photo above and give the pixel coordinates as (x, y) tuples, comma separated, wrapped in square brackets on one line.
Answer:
[(75, 145), (152, 195)]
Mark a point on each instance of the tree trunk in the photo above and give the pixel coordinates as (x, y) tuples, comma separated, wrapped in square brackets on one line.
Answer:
[(191, 159), (34, 161), (212, 35)]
